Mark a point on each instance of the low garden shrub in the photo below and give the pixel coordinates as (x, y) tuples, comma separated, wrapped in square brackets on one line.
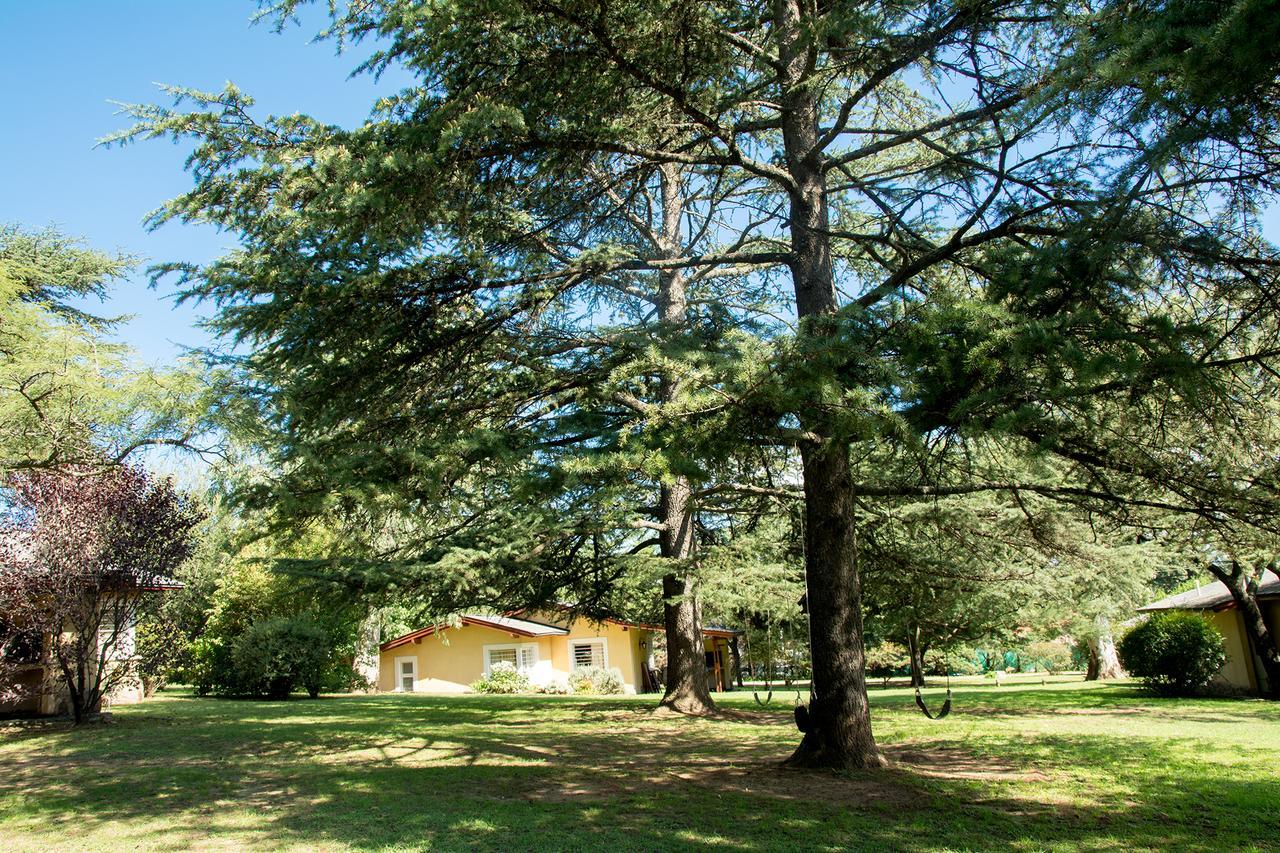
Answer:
[(555, 687), (1174, 653), (503, 677), (595, 681)]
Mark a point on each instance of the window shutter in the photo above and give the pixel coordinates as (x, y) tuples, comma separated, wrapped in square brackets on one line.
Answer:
[(502, 656), (588, 655)]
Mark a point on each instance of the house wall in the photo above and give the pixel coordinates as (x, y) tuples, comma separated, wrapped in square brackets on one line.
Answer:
[(450, 660), (47, 694), (622, 649), (1238, 670)]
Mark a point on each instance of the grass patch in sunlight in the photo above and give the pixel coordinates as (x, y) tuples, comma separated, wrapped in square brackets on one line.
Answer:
[(1064, 765)]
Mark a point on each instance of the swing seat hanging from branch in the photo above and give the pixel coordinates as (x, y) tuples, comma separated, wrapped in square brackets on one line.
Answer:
[(804, 720), (942, 712)]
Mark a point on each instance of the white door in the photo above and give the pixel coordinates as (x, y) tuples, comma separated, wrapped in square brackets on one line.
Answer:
[(406, 673)]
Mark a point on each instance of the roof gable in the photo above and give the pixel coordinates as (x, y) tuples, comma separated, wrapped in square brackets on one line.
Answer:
[(1213, 596), (519, 627)]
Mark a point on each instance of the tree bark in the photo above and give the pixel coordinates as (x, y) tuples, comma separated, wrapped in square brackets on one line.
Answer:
[(1104, 661), (686, 688), (839, 733), (737, 662), (1243, 584), (366, 657), (917, 657)]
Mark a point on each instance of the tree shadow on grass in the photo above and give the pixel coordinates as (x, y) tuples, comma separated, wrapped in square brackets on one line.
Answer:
[(494, 772)]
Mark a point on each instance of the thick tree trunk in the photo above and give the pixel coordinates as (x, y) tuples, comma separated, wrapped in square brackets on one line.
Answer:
[(1264, 645), (1104, 661), (917, 657), (686, 688), (839, 733), (839, 717), (1244, 590)]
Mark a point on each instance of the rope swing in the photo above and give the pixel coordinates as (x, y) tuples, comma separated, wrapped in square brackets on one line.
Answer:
[(803, 714), (768, 661)]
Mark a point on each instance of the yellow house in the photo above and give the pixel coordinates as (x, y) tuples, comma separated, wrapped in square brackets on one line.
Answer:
[(28, 663), (545, 646), (1243, 668), (31, 667)]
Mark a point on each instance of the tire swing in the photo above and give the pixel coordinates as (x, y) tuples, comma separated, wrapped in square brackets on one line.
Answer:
[(943, 711)]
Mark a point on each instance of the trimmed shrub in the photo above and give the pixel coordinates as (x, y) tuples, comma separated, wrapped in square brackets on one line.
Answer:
[(1175, 653), (594, 681), (276, 655), (503, 677)]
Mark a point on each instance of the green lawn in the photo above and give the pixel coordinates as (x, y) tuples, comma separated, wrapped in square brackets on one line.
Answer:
[(1060, 766)]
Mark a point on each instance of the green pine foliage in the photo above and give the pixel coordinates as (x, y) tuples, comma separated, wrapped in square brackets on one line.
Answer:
[(70, 394), (912, 235)]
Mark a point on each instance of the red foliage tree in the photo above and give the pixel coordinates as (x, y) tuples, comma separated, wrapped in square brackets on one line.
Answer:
[(81, 549)]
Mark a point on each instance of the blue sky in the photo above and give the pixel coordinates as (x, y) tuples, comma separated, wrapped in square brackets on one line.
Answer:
[(62, 64)]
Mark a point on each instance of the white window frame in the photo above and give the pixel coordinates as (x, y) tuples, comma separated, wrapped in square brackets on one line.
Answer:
[(413, 659), (125, 646), (588, 641), (518, 647)]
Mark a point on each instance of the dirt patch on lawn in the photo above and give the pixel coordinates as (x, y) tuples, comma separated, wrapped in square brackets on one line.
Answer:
[(948, 762), (879, 790)]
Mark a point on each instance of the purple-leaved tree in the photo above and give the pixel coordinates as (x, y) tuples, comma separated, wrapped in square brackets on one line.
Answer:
[(79, 551)]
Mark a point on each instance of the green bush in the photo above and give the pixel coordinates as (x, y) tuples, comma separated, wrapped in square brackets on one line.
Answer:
[(962, 661), (594, 681), (160, 648), (503, 677), (555, 687), (886, 660), (208, 659), (1175, 653), (1048, 657), (276, 655)]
